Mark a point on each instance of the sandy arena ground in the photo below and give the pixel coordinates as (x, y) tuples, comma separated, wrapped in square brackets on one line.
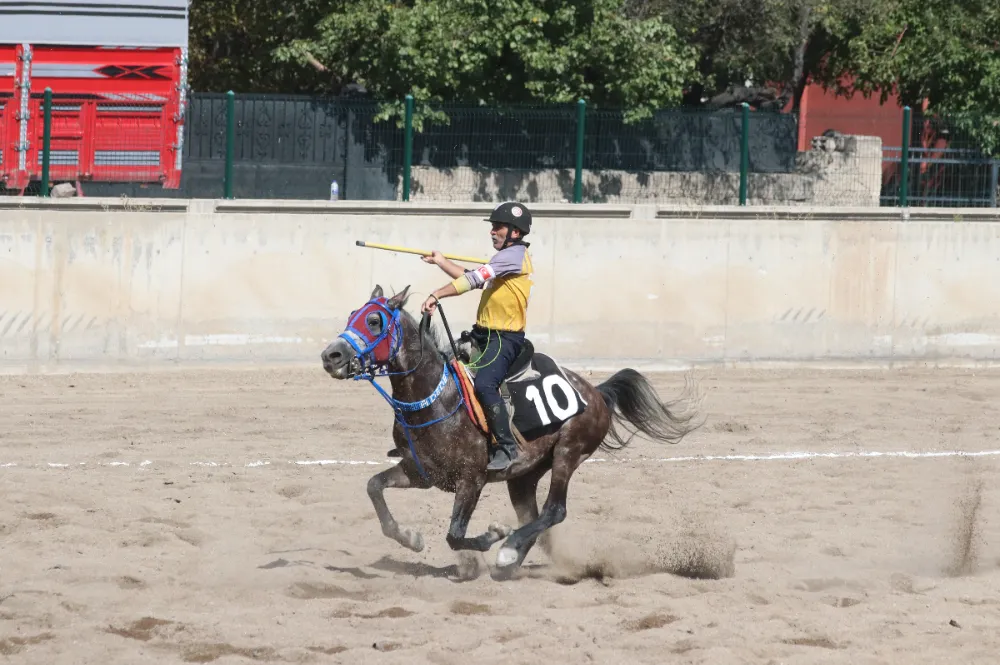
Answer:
[(834, 559)]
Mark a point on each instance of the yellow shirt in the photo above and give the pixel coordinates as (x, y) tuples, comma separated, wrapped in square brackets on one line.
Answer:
[(506, 283)]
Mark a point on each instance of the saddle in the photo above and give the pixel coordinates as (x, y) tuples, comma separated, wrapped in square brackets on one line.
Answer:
[(472, 405)]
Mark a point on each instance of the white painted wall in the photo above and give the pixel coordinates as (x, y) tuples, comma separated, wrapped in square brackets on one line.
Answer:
[(100, 284)]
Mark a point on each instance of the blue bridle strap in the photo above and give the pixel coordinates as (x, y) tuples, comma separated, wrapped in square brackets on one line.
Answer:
[(392, 327), (409, 407), (421, 404)]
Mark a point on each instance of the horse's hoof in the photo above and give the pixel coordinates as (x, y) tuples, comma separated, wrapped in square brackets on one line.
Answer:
[(412, 540), (500, 530), (507, 556)]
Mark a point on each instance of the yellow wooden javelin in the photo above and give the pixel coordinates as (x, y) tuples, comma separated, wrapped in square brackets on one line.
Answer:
[(422, 252)]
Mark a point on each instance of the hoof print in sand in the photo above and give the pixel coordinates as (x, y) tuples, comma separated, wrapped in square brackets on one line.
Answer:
[(650, 622), (129, 582), (819, 642), (15, 645), (327, 651), (206, 653), (842, 602), (142, 630), (309, 591), (388, 613), (466, 608)]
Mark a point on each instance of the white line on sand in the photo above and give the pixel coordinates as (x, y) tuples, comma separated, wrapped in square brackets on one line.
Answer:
[(762, 457)]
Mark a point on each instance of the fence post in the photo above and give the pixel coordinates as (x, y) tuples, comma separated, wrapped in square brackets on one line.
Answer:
[(408, 147), (230, 143), (904, 174), (995, 182), (581, 117), (46, 141), (744, 153)]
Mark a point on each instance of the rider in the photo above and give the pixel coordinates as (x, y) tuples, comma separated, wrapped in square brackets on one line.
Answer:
[(501, 317)]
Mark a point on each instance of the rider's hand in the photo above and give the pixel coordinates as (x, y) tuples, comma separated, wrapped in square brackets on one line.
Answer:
[(429, 305), (435, 258)]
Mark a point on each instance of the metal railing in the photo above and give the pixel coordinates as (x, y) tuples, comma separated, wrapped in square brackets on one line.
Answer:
[(234, 146)]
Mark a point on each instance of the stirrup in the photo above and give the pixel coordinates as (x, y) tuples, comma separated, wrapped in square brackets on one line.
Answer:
[(502, 457)]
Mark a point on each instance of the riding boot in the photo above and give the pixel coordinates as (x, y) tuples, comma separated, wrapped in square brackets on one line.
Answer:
[(506, 450)]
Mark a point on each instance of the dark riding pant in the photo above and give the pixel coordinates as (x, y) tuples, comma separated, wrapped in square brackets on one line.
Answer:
[(500, 351)]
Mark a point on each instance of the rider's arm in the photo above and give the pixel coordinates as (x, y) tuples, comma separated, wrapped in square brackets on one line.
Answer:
[(509, 261), (445, 291), (454, 271)]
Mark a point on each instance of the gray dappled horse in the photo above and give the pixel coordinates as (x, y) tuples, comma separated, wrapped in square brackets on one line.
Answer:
[(442, 447)]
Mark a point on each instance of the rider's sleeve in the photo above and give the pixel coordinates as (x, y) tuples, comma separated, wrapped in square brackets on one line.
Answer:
[(508, 261)]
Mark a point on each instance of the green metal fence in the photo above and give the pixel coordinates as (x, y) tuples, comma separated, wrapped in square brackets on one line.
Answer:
[(579, 154), (941, 164)]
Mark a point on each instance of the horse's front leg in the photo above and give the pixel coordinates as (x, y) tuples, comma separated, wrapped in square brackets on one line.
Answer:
[(402, 476), (467, 493)]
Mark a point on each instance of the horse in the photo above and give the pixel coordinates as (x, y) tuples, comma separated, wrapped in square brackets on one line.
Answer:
[(441, 446)]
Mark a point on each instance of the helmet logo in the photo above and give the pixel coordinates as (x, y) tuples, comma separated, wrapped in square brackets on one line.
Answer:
[(516, 211)]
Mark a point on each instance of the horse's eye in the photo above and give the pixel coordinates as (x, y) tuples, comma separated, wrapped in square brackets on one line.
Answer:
[(374, 321)]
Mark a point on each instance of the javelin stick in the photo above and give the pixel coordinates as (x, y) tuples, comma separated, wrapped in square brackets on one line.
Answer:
[(422, 252)]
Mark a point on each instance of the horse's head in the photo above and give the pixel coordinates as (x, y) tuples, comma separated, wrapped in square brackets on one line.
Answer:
[(370, 341)]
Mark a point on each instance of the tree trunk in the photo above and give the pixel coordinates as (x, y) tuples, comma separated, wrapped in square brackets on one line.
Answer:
[(797, 85)]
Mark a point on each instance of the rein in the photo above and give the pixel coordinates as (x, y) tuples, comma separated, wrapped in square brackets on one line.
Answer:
[(369, 370), (447, 328)]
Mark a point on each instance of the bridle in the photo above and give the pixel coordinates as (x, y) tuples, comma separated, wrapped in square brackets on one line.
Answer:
[(368, 366)]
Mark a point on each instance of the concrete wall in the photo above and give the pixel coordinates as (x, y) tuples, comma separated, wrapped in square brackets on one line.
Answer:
[(91, 283), (848, 172)]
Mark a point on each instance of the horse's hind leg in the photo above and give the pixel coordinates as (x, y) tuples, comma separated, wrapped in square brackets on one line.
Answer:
[(523, 492), (401, 476), (466, 499), (516, 547)]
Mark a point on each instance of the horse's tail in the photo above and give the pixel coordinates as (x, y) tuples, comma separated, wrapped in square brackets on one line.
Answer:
[(631, 398)]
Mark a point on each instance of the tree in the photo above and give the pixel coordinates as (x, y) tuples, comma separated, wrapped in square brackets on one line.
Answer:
[(946, 52), (231, 44), (775, 45), (498, 52)]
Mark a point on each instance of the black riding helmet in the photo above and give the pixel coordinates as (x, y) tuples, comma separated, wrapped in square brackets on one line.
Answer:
[(512, 214)]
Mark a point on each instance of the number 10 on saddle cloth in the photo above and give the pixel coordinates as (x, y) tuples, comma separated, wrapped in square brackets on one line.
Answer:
[(539, 397)]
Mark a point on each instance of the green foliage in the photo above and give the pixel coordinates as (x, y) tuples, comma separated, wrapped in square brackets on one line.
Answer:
[(231, 44), (501, 52), (762, 41), (637, 55), (946, 52)]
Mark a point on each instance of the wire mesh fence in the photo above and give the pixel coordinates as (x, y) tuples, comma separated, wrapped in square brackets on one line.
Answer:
[(946, 166), (292, 147), (303, 147), (488, 154), (72, 138)]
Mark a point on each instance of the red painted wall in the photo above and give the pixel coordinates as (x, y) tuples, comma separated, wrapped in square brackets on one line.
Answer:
[(822, 110)]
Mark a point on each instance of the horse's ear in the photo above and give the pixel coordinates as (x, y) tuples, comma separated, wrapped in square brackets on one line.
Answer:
[(399, 299), (377, 293)]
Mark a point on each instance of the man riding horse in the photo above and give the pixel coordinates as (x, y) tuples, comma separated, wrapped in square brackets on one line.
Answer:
[(501, 317)]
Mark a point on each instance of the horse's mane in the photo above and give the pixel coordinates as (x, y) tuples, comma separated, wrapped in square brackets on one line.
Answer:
[(431, 334)]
